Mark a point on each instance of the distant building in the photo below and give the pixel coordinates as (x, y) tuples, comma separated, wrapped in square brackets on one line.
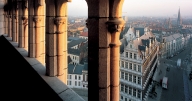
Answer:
[(173, 44)]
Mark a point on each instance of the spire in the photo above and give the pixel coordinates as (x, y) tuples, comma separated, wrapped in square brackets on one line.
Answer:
[(179, 22)]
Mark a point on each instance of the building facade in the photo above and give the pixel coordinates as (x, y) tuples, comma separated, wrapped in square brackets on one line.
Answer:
[(137, 65)]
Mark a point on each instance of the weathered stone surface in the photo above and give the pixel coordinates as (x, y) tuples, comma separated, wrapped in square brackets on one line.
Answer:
[(104, 67), (50, 26), (51, 66), (104, 94), (98, 8), (51, 44)]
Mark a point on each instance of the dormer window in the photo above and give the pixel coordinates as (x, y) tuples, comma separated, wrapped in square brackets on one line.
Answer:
[(130, 46)]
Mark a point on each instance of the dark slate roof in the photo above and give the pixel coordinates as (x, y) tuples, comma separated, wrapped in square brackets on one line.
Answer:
[(75, 42), (141, 30), (77, 52), (123, 32), (73, 38), (69, 59), (74, 51), (123, 45), (75, 69), (145, 42), (85, 67), (141, 47), (19, 80)]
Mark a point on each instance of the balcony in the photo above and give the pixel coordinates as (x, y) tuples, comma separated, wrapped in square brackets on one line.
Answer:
[(23, 78)]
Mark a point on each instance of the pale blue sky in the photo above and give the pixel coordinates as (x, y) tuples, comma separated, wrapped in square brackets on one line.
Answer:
[(140, 7)]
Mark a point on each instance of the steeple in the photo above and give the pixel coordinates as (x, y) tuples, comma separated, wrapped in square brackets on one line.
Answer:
[(179, 22)]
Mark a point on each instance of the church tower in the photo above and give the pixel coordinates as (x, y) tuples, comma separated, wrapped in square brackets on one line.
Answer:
[(179, 21)]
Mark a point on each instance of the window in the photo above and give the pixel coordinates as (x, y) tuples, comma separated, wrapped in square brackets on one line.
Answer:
[(75, 83), (79, 83), (122, 87), (135, 67), (83, 77), (126, 64), (69, 76), (130, 90), (134, 79), (138, 94), (130, 55), (139, 68), (79, 77), (130, 66), (122, 63), (130, 77), (126, 76), (126, 54), (125, 99), (126, 89), (121, 97), (69, 82), (87, 77), (75, 77), (134, 92), (122, 75), (138, 80), (130, 46), (135, 56)]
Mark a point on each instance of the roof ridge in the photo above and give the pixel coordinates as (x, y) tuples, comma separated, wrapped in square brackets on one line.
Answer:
[(74, 68)]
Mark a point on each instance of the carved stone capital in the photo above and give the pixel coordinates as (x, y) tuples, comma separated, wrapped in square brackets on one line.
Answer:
[(36, 19), (23, 17), (59, 20), (115, 25)]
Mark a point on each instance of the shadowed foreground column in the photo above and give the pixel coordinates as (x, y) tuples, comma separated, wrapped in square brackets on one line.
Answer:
[(99, 50)]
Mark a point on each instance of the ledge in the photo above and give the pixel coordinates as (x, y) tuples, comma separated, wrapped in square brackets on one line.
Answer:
[(61, 89)]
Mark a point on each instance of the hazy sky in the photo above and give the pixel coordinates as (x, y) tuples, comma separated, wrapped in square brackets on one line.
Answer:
[(140, 7)]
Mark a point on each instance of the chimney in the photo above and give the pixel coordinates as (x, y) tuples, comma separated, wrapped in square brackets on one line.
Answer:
[(137, 34)]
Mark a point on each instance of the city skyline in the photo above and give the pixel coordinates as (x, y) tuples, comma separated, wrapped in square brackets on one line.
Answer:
[(168, 8)]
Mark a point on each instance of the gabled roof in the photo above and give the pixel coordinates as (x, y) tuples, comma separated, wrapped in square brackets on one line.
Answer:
[(75, 69), (76, 42)]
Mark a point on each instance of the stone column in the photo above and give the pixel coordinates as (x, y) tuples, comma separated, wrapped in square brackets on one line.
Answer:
[(115, 26), (56, 39), (31, 46), (16, 26), (9, 26), (5, 23), (25, 28), (99, 51), (36, 30), (21, 30), (13, 26), (37, 20)]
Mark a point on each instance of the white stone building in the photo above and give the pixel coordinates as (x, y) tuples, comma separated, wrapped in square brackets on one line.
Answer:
[(76, 76), (137, 66)]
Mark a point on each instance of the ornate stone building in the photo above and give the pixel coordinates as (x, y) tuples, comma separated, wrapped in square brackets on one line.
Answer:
[(137, 66)]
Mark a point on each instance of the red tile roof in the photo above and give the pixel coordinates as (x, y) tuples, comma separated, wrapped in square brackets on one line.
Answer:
[(84, 34)]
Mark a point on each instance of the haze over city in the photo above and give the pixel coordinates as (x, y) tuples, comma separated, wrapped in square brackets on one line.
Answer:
[(168, 8)]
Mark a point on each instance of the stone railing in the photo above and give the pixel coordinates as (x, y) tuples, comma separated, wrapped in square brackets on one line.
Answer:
[(63, 91)]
